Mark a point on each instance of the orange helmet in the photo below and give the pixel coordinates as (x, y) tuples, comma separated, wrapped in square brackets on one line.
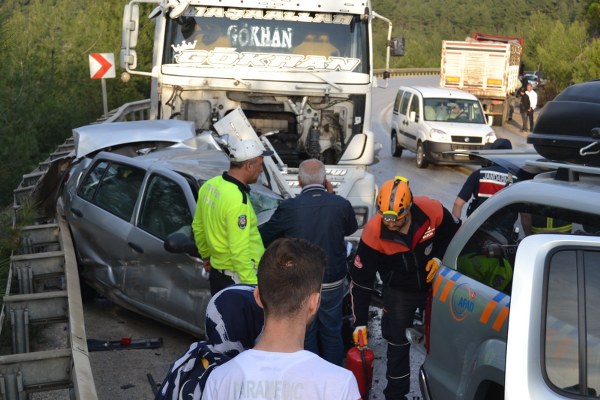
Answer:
[(394, 199)]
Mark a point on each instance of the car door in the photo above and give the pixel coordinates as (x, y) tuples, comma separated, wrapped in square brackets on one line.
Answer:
[(172, 286), (414, 116), (100, 217), (405, 137), (553, 347)]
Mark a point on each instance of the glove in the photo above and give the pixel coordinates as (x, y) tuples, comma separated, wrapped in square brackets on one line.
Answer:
[(355, 335), (432, 267)]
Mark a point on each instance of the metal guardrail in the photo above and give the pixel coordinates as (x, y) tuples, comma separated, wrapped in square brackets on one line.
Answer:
[(134, 111), (399, 72), (43, 291)]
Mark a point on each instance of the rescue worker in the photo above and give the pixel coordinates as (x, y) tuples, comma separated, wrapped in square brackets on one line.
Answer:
[(404, 242), (225, 225), (483, 183)]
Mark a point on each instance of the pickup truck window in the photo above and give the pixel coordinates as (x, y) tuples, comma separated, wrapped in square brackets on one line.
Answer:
[(489, 254), (572, 334)]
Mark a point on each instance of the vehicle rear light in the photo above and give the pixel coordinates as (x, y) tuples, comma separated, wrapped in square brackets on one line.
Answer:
[(427, 318)]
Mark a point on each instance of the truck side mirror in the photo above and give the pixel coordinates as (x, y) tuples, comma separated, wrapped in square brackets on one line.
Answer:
[(129, 38), (397, 46)]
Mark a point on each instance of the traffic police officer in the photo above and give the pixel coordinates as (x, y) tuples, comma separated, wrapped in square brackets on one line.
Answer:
[(225, 225)]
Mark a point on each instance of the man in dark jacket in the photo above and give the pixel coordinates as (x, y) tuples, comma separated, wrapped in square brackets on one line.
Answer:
[(324, 219), (484, 182), (524, 107), (404, 242)]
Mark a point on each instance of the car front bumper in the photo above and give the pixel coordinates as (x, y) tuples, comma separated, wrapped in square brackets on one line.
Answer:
[(441, 153)]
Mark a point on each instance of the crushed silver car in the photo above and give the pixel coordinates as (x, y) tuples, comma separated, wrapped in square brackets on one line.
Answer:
[(130, 186)]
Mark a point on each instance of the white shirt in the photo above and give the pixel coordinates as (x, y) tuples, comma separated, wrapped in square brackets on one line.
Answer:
[(532, 98), (257, 374)]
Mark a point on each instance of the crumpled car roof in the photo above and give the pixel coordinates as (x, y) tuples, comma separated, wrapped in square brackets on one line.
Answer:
[(91, 138)]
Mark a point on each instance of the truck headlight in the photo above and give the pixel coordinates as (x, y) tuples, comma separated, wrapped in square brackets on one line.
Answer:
[(362, 213), (439, 136)]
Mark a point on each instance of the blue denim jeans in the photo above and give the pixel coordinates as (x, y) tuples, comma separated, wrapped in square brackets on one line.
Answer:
[(324, 336)]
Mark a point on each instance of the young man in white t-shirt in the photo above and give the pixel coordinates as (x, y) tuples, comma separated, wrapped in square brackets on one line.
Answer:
[(289, 284)]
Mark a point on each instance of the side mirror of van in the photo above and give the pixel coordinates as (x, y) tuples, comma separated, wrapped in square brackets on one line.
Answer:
[(490, 120), (413, 116)]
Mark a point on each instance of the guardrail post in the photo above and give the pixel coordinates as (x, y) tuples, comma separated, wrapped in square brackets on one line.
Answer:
[(25, 277), (19, 319), (11, 386)]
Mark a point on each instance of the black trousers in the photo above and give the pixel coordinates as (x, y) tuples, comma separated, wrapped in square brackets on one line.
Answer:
[(530, 115), (218, 281), (398, 315)]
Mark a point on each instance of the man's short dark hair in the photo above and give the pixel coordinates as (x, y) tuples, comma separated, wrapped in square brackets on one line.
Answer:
[(289, 271)]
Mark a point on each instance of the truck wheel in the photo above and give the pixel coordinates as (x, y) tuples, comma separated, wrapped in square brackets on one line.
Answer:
[(421, 158), (395, 147)]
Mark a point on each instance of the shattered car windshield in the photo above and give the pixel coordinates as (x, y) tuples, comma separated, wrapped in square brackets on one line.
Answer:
[(218, 36)]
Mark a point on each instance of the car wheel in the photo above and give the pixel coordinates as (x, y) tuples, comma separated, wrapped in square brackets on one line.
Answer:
[(421, 159), (395, 147)]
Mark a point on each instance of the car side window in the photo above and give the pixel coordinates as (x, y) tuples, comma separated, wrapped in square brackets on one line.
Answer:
[(489, 254), (415, 107), (164, 207), (398, 100), (113, 187), (572, 330), (405, 101)]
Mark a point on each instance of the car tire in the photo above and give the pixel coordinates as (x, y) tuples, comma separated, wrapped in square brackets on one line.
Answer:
[(395, 148), (421, 157)]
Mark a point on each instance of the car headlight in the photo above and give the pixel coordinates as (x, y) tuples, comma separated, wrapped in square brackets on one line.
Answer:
[(362, 214), (439, 136), (490, 137)]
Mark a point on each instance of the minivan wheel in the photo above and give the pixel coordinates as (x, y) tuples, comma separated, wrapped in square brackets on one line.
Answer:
[(395, 147), (421, 159)]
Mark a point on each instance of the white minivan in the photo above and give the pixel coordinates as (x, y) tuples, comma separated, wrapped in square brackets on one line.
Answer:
[(431, 122)]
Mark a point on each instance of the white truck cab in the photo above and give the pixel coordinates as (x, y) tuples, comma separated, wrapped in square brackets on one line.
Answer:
[(432, 121)]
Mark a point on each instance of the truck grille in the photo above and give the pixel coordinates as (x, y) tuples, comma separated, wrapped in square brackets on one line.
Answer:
[(467, 139)]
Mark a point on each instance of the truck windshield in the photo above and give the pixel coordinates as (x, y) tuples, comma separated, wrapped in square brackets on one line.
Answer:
[(454, 110), (217, 37)]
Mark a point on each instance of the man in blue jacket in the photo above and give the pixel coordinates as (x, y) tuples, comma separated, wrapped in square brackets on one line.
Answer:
[(323, 218)]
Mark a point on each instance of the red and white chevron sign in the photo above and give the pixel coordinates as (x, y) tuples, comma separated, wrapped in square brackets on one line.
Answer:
[(102, 65)]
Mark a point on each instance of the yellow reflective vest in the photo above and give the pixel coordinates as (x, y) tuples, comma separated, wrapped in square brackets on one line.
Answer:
[(226, 228)]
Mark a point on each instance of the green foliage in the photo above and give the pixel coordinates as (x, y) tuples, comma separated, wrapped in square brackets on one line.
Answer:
[(555, 33), (591, 13), (46, 90), (45, 81)]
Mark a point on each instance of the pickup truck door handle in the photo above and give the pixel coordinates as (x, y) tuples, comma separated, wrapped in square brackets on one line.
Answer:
[(405, 122), (136, 248), (77, 212)]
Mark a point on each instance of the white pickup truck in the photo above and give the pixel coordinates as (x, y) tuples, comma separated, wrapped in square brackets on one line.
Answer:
[(513, 310), (513, 316)]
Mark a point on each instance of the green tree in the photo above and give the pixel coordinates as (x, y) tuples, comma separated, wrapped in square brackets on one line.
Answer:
[(562, 48), (45, 81)]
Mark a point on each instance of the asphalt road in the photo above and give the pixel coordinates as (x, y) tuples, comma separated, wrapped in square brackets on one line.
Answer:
[(123, 374)]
